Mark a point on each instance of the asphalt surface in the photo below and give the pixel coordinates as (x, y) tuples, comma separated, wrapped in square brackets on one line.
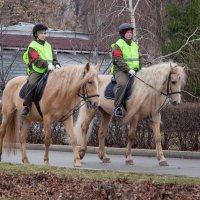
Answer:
[(144, 160)]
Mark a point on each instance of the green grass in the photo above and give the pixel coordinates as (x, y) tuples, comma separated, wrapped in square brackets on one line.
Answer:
[(94, 174)]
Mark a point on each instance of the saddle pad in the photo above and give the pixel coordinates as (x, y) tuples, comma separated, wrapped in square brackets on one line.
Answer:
[(38, 90), (110, 90)]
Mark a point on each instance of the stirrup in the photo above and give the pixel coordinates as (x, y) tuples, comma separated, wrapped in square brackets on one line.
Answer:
[(118, 112)]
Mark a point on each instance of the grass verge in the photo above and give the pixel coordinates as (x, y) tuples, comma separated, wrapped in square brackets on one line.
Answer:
[(9, 168)]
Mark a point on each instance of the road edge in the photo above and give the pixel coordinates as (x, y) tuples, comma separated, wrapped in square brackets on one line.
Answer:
[(119, 151)]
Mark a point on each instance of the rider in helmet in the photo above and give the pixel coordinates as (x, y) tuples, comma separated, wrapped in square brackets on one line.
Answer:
[(41, 58), (126, 62)]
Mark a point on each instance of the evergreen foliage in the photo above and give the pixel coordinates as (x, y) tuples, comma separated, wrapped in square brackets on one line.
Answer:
[(182, 35)]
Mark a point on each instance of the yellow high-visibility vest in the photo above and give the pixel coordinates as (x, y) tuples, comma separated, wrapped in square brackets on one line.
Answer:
[(130, 53), (45, 53)]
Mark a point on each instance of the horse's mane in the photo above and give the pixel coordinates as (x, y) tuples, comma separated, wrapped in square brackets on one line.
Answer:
[(157, 74), (70, 79)]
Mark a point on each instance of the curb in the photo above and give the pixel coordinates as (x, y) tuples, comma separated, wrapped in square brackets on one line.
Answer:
[(119, 151)]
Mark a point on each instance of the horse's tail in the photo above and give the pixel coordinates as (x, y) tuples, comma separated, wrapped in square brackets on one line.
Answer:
[(11, 132), (0, 112), (83, 123)]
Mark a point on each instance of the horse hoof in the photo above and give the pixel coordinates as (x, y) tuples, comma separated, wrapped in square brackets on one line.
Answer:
[(25, 161), (106, 160), (81, 154), (129, 162), (77, 165), (46, 163), (163, 163)]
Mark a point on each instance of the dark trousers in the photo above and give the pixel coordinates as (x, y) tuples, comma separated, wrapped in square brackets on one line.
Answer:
[(33, 79), (121, 79)]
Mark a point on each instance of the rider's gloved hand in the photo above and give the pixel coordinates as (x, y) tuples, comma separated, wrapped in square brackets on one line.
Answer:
[(58, 66), (131, 72), (51, 67)]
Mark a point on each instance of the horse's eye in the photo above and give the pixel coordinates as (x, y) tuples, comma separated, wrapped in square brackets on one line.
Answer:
[(90, 82), (174, 82)]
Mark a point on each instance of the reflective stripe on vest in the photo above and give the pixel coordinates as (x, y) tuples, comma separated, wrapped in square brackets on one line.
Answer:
[(129, 53), (45, 53)]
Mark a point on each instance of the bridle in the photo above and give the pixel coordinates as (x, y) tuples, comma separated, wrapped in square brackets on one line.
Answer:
[(83, 93), (169, 88)]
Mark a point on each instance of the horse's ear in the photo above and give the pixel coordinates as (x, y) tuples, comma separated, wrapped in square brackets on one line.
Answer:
[(97, 67), (186, 69), (87, 67), (173, 69)]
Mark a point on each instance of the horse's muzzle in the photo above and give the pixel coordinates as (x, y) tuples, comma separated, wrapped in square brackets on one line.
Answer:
[(174, 102)]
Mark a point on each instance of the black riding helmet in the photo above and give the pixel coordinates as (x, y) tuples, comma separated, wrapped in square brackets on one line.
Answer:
[(38, 27), (125, 26)]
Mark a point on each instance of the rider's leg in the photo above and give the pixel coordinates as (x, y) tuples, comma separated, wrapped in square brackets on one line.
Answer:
[(33, 78), (121, 79)]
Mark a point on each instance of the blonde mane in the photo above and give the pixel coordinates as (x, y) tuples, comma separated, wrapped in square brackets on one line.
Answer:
[(69, 80), (156, 75)]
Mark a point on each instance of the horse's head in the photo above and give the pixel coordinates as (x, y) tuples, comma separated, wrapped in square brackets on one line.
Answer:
[(89, 90), (174, 82)]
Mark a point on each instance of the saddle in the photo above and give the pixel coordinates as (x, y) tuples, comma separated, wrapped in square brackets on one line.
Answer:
[(111, 88), (37, 90)]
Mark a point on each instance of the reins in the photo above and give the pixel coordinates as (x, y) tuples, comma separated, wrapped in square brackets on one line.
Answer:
[(162, 93), (169, 91)]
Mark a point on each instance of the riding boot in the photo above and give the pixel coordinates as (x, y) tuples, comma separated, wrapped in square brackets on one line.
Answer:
[(27, 102)]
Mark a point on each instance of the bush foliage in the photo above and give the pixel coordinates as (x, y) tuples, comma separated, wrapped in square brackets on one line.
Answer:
[(180, 130)]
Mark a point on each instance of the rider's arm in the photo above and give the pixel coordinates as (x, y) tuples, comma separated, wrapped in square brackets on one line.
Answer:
[(55, 61), (118, 60), (35, 59)]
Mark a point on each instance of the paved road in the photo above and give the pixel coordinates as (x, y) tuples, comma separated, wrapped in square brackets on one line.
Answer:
[(147, 165)]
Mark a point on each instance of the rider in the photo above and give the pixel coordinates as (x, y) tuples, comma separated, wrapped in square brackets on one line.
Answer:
[(41, 58), (126, 62)]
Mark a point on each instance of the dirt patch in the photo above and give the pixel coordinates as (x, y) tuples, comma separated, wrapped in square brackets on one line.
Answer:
[(42, 186)]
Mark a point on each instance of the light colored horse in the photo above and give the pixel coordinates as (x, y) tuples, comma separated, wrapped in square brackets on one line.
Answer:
[(155, 86), (62, 92)]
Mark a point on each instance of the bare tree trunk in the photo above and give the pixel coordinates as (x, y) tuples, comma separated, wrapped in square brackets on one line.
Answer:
[(132, 15)]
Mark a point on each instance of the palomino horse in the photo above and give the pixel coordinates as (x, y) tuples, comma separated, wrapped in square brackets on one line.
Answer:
[(153, 88), (63, 90)]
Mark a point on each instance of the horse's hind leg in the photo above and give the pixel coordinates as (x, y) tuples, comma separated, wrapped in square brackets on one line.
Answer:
[(156, 129), (105, 119), (3, 126), (84, 127), (70, 130), (131, 141), (47, 139), (24, 128)]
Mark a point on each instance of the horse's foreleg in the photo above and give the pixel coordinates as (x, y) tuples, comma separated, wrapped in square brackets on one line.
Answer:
[(105, 119), (70, 130), (84, 129), (156, 129), (131, 141), (47, 139), (23, 136)]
